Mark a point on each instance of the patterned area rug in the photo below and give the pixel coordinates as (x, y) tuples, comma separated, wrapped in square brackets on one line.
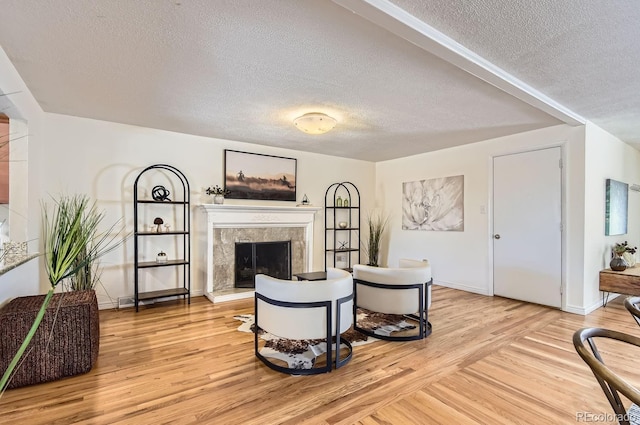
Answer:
[(302, 354)]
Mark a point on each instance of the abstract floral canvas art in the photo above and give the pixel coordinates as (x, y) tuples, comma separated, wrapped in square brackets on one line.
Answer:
[(434, 204)]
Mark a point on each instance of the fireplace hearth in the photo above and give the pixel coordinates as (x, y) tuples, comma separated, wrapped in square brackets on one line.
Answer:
[(227, 225), (270, 258)]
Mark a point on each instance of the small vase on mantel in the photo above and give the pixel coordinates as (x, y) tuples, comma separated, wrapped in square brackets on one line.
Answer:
[(618, 263), (218, 199)]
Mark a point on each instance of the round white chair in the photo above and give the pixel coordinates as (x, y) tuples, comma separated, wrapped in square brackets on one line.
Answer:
[(319, 309), (403, 290)]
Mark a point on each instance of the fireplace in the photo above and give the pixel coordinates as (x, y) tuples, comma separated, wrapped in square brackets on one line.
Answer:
[(226, 225), (270, 258)]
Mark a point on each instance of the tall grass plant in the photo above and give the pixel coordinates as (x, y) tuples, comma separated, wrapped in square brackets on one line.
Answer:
[(377, 222), (72, 244)]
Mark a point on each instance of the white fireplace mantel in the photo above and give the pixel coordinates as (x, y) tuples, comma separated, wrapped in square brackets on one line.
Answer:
[(258, 215), (247, 216)]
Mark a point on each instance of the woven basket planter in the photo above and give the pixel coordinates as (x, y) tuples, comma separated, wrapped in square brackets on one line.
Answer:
[(72, 347)]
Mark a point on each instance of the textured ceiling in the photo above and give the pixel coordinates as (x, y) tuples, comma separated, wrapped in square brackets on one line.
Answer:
[(242, 70), (583, 54)]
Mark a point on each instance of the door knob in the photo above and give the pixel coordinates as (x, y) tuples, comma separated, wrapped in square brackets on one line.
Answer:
[(496, 236)]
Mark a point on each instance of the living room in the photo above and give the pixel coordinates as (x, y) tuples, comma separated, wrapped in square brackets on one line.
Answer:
[(101, 158), (117, 151)]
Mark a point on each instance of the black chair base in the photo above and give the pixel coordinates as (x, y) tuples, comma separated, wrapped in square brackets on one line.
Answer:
[(424, 326), (313, 371), (328, 340), (426, 333)]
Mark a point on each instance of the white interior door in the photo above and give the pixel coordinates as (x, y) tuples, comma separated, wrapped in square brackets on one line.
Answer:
[(527, 218)]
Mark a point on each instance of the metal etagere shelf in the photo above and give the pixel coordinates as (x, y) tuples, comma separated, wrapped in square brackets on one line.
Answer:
[(342, 226), (181, 204)]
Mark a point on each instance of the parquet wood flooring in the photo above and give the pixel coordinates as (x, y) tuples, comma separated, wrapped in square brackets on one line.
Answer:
[(489, 360)]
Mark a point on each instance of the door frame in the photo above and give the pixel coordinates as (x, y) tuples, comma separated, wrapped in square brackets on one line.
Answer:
[(563, 212)]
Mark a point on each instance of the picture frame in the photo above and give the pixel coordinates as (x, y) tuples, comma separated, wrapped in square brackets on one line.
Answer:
[(258, 176), (434, 204), (616, 208)]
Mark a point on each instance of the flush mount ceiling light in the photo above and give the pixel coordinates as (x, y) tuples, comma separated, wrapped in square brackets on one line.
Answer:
[(315, 123)]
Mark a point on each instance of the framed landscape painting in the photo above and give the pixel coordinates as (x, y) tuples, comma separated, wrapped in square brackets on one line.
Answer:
[(257, 176)]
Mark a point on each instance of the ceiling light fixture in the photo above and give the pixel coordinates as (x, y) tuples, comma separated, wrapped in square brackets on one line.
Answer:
[(315, 123)]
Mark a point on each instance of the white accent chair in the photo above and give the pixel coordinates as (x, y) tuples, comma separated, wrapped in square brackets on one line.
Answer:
[(321, 309), (403, 290)]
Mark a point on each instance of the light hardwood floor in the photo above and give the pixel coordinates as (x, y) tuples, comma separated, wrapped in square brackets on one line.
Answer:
[(489, 360)]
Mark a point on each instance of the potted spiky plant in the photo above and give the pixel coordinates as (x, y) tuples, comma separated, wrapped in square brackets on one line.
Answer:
[(72, 244), (377, 224)]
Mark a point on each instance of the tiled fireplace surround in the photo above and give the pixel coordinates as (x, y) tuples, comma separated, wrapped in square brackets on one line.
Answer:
[(228, 224)]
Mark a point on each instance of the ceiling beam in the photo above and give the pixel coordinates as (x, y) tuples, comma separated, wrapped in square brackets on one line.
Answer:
[(401, 23)]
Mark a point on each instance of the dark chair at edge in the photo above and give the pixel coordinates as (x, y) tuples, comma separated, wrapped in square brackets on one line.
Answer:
[(631, 304), (611, 383)]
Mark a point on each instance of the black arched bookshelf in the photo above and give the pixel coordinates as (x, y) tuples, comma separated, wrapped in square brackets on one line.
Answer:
[(342, 225), (156, 198)]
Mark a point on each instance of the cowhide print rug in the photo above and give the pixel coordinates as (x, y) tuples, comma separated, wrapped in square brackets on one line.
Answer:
[(302, 354)]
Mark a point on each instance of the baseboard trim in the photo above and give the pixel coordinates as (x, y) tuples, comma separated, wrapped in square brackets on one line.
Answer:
[(128, 301), (583, 311), (463, 287), (231, 296)]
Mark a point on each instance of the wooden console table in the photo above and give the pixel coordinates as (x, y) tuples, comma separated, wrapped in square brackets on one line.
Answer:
[(626, 282)]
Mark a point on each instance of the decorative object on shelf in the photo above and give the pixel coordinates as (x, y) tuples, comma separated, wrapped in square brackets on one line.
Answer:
[(158, 222), (345, 203), (217, 190), (377, 224), (160, 193), (339, 201), (433, 204), (315, 123), (342, 225), (218, 194), (342, 245), (617, 263), (258, 176), (626, 252), (166, 228), (305, 202), (616, 207), (630, 258), (161, 258), (13, 251)]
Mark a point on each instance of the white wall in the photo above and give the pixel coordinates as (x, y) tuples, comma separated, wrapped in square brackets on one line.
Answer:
[(24, 279), (102, 159), (463, 259), (606, 158)]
